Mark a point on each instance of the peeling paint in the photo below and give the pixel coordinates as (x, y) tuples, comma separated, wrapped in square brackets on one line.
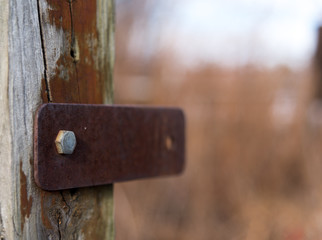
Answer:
[(57, 37), (74, 25)]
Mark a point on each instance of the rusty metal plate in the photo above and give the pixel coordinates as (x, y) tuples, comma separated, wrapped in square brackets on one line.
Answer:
[(114, 143)]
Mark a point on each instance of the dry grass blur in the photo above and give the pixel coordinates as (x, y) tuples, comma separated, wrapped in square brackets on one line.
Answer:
[(253, 151)]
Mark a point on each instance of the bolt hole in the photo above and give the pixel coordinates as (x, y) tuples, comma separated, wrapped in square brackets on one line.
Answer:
[(169, 143), (72, 53)]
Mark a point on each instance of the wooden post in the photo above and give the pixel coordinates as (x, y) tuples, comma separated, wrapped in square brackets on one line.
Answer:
[(51, 51)]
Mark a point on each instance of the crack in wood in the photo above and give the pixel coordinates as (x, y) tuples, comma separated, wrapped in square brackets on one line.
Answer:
[(68, 209), (47, 85), (74, 51), (58, 225)]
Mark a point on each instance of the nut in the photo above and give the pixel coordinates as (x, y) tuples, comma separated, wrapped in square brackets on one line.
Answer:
[(65, 142)]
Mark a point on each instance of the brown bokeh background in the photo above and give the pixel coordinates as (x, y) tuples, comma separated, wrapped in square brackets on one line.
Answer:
[(253, 145)]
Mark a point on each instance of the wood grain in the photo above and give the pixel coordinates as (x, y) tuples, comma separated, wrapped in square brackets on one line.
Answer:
[(58, 51), (5, 139)]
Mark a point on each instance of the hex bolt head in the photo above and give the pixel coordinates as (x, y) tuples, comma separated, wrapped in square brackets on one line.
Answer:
[(65, 142)]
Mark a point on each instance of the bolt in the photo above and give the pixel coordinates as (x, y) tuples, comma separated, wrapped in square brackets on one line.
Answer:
[(65, 142)]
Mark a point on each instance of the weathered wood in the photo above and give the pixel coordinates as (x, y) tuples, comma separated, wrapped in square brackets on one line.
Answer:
[(59, 51), (75, 36), (5, 139)]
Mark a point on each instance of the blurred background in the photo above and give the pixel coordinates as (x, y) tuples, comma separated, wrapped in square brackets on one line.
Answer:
[(248, 75)]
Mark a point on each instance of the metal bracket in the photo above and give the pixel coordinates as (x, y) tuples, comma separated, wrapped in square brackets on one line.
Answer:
[(111, 143)]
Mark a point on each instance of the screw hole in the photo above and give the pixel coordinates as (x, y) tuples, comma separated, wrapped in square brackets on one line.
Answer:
[(72, 53)]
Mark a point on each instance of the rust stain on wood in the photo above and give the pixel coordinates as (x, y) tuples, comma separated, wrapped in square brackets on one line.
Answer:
[(26, 203), (77, 78)]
